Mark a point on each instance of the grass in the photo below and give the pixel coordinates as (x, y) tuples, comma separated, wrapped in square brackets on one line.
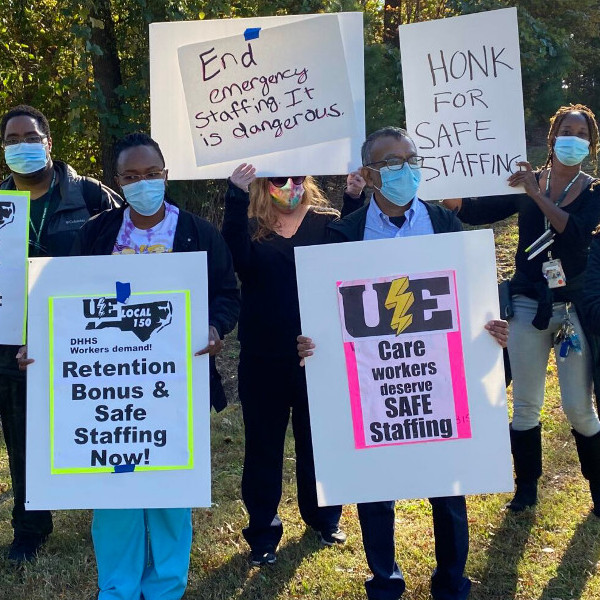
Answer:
[(550, 553)]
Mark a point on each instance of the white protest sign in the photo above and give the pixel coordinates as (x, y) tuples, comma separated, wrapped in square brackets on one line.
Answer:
[(464, 102), (14, 245), (239, 90), (118, 406), (404, 368)]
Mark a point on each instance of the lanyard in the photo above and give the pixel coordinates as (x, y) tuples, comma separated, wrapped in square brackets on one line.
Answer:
[(38, 232), (561, 197)]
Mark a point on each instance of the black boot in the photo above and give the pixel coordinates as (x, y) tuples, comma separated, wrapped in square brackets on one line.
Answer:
[(588, 449), (526, 449)]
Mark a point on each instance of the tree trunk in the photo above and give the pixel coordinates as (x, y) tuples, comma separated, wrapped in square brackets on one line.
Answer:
[(107, 76)]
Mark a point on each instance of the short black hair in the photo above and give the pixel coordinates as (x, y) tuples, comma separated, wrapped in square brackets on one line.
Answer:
[(395, 132), (131, 141), (23, 110)]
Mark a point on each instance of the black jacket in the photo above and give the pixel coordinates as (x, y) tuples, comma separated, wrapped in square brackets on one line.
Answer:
[(352, 227), (80, 197), (98, 235), (267, 272), (589, 310)]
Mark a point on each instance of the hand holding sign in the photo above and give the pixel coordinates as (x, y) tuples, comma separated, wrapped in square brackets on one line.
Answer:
[(526, 179), (215, 343), (355, 184), (22, 359), (243, 176)]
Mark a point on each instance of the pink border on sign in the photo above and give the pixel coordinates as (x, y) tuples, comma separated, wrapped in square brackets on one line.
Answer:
[(355, 404), (459, 384), (457, 370)]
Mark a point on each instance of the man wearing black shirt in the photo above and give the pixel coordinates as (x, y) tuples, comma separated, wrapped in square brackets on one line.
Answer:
[(61, 202)]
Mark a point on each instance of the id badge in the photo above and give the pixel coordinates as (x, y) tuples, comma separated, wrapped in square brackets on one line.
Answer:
[(554, 274)]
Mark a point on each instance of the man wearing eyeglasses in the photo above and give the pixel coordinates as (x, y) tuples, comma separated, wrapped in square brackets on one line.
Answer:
[(61, 202), (392, 169)]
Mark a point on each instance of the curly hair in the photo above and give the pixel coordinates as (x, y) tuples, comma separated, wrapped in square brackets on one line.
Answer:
[(558, 118), (265, 213), (23, 110)]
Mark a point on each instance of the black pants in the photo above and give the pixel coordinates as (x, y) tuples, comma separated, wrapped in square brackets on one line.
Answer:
[(269, 390), (451, 533), (12, 412)]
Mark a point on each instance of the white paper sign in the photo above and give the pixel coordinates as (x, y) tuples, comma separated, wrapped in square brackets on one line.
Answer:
[(116, 399), (404, 368), (464, 102), (14, 240), (244, 99), (404, 361), (258, 90)]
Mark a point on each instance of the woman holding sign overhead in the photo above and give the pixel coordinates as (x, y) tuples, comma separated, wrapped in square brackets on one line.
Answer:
[(264, 220), (557, 214)]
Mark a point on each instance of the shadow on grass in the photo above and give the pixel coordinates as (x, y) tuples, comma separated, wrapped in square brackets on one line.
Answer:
[(578, 562), (236, 578), (500, 575)]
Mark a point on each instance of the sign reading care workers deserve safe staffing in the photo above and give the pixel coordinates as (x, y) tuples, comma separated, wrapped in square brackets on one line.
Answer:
[(464, 102), (127, 402), (405, 386), (14, 241), (284, 93), (404, 359)]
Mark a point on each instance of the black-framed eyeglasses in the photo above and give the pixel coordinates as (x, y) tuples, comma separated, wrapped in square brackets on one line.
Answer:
[(281, 181), (127, 179), (28, 139), (395, 164)]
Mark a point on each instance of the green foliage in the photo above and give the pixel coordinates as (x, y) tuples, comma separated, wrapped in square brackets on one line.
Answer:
[(383, 87), (47, 52)]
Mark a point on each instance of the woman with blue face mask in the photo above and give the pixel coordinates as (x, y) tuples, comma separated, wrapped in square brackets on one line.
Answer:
[(265, 219), (144, 553), (557, 214)]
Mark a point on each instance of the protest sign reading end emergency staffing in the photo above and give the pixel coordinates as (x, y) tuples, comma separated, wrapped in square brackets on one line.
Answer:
[(258, 90), (464, 102), (404, 359), (14, 244), (405, 386), (243, 98), (115, 379)]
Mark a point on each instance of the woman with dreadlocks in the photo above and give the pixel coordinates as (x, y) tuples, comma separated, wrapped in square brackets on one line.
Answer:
[(557, 214)]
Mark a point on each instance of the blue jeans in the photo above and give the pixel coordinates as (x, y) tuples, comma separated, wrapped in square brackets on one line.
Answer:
[(451, 532), (529, 350), (142, 551)]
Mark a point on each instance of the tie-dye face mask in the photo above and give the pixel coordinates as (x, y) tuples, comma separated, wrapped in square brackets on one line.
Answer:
[(287, 197)]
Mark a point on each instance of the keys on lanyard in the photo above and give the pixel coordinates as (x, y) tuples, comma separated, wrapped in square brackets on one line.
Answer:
[(567, 339)]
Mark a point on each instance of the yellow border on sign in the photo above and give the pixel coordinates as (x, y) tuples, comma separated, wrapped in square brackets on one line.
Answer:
[(189, 377)]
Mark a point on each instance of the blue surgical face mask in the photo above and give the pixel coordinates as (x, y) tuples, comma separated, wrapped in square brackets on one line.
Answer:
[(145, 196), (399, 186), (571, 150), (25, 158)]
